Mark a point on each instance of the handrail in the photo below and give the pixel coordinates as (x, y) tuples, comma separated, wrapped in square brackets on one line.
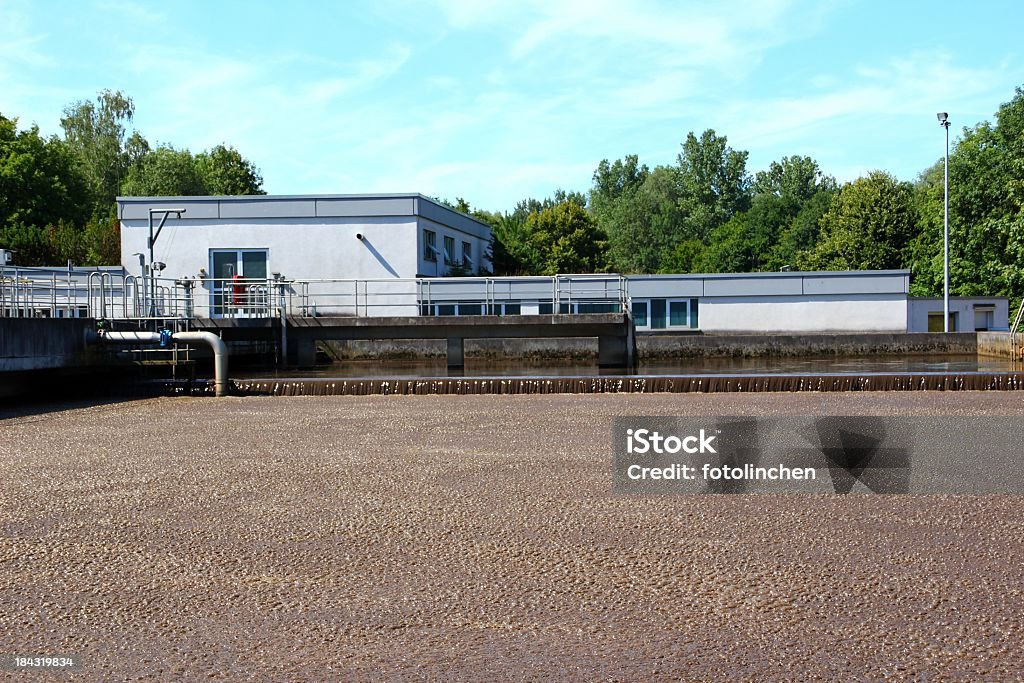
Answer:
[(1014, 329), (114, 296)]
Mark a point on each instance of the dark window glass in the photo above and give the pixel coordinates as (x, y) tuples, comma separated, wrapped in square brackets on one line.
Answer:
[(640, 313), (658, 314), (677, 314)]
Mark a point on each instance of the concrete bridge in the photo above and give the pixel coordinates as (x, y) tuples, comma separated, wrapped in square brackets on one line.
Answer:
[(299, 335)]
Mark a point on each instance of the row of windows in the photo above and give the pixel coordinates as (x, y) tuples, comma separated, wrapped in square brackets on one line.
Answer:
[(648, 314), (665, 314), (514, 308), (430, 249)]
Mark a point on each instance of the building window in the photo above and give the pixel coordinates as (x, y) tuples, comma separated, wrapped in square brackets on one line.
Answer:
[(595, 308), (429, 245), (467, 255), (449, 249), (640, 313), (678, 314), (935, 322), (665, 314)]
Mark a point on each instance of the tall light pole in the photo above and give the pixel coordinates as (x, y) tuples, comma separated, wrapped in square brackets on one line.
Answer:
[(151, 243), (944, 122)]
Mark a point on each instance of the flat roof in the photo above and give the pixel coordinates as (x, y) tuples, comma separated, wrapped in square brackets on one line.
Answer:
[(771, 273), (270, 206), (773, 283)]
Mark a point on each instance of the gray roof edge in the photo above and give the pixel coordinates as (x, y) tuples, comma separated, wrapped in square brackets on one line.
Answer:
[(299, 197), (267, 197), (450, 209), (983, 297), (779, 274)]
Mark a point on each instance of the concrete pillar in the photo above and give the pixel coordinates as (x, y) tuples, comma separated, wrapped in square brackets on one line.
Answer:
[(456, 352)]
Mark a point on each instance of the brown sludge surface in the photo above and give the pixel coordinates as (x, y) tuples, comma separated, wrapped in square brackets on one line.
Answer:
[(476, 538)]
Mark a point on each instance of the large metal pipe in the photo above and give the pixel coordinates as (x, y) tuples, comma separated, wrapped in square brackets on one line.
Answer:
[(220, 350)]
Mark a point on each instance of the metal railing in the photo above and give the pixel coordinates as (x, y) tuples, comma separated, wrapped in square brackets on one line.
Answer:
[(1015, 329), (111, 295)]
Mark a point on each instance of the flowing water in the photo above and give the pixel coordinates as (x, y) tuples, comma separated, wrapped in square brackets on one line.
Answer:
[(839, 365)]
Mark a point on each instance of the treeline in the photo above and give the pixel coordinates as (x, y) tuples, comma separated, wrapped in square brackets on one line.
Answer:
[(57, 193), (706, 213)]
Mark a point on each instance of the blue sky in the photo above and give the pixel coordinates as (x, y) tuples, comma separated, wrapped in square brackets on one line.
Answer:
[(497, 101)]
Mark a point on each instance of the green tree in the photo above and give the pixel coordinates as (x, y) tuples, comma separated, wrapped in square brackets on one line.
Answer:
[(566, 239), (744, 244), (30, 244), (40, 183), (986, 212), (926, 247), (641, 216), (868, 226), (163, 172), (103, 241), (612, 180), (803, 231), (686, 257), (224, 171), (795, 176), (96, 134), (714, 183)]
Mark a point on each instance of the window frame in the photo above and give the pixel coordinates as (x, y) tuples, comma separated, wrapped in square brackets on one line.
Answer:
[(449, 247), (429, 245)]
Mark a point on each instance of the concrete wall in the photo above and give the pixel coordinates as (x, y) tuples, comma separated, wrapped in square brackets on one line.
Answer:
[(40, 343), (668, 346), (964, 307), (652, 346), (1001, 344), (806, 313), (556, 348)]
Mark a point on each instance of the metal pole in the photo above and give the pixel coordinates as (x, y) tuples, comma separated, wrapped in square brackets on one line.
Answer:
[(152, 274), (945, 238)]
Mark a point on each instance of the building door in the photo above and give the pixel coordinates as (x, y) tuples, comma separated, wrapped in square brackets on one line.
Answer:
[(984, 318), (239, 282)]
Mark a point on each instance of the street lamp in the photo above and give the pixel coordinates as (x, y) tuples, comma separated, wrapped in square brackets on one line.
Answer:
[(152, 241), (944, 122)]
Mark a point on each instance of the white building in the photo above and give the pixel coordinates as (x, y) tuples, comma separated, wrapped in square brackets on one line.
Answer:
[(966, 314), (323, 237), (382, 255)]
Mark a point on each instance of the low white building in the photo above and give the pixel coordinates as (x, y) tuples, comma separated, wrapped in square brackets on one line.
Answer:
[(383, 255), (322, 237), (966, 314)]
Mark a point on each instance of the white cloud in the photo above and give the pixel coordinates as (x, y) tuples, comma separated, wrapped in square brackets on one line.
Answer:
[(870, 118), (133, 12), (20, 45)]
